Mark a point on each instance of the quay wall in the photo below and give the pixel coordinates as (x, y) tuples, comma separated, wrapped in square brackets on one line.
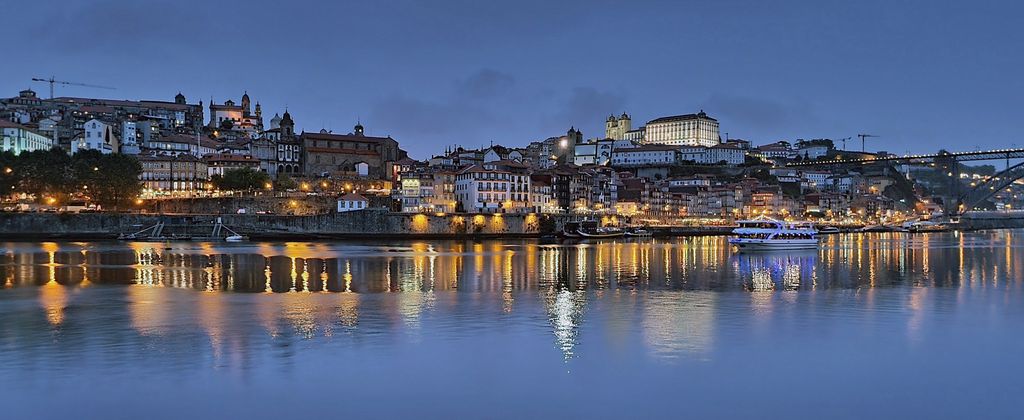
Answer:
[(992, 220), (358, 224)]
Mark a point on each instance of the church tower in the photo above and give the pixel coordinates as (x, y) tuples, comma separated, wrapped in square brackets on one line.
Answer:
[(179, 99), (245, 104), (287, 126), (609, 127)]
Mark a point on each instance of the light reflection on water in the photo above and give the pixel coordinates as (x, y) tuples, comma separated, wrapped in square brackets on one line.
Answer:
[(654, 317)]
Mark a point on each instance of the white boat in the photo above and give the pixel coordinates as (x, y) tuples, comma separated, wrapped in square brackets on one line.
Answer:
[(767, 234), (926, 226), (639, 233), (234, 238), (828, 230)]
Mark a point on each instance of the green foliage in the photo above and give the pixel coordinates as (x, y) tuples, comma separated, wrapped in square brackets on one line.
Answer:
[(245, 179), (111, 181), (285, 183), (115, 181)]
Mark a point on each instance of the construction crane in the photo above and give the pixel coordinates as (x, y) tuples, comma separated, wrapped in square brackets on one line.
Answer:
[(844, 139), (862, 138), (53, 81)]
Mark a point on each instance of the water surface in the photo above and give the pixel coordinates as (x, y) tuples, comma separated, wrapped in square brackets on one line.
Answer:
[(880, 325)]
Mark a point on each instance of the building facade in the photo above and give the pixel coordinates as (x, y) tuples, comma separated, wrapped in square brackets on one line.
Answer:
[(17, 138), (683, 130)]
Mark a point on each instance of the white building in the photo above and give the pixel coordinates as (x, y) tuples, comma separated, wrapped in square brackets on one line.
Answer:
[(17, 138), (815, 179), (683, 130), (495, 187), (352, 202), (129, 138), (728, 153), (652, 154), (181, 143), (97, 135)]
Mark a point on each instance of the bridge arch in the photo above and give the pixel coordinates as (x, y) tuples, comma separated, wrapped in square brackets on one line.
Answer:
[(991, 186)]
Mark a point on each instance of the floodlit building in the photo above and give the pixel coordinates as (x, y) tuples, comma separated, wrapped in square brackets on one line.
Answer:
[(17, 138)]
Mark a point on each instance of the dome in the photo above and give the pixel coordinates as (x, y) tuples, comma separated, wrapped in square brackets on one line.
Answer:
[(611, 118), (625, 116), (245, 96)]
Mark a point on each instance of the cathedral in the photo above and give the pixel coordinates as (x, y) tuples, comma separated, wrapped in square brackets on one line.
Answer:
[(230, 116)]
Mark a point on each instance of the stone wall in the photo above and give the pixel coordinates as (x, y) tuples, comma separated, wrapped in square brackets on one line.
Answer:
[(359, 224)]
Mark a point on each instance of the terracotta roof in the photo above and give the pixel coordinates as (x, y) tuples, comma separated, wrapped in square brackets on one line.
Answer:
[(353, 196), (343, 137), (9, 124), (684, 117)]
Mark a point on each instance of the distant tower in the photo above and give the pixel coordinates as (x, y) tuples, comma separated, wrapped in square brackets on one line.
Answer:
[(625, 124), (610, 125), (179, 99), (259, 111), (574, 135), (287, 126), (245, 104), (358, 129), (275, 122)]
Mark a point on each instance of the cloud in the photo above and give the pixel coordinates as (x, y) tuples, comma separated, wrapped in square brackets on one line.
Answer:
[(759, 114), (586, 107), (486, 83)]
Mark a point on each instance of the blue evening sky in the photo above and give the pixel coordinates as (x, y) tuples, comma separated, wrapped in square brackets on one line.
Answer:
[(922, 74)]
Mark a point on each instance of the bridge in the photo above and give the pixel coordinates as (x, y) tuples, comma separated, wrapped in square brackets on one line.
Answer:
[(947, 161), (917, 159)]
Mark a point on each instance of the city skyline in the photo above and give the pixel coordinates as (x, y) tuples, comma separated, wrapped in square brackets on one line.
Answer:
[(474, 74)]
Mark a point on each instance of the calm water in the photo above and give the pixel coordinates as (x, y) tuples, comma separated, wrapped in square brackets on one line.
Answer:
[(882, 325)]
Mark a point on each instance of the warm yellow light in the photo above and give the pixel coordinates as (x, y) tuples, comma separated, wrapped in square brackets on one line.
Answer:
[(293, 203), (420, 223), (51, 200)]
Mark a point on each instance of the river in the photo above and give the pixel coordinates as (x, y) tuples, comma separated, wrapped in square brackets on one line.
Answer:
[(870, 325)]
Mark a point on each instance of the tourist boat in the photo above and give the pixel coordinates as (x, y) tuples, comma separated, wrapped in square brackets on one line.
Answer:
[(765, 233), (593, 230), (571, 230)]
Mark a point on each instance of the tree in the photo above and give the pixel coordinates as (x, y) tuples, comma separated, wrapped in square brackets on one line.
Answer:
[(9, 178), (241, 179), (115, 181), (285, 183), (45, 173)]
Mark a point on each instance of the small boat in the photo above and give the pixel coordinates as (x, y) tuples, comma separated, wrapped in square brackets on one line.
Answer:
[(234, 238), (828, 230), (638, 233), (767, 234), (926, 226)]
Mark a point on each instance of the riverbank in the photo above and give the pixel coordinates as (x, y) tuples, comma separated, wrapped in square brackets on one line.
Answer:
[(352, 225)]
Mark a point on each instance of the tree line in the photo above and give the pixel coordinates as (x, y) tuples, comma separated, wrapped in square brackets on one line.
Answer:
[(54, 177)]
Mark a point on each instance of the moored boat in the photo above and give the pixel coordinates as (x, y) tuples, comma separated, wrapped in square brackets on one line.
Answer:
[(926, 226), (638, 233), (767, 234), (592, 229)]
